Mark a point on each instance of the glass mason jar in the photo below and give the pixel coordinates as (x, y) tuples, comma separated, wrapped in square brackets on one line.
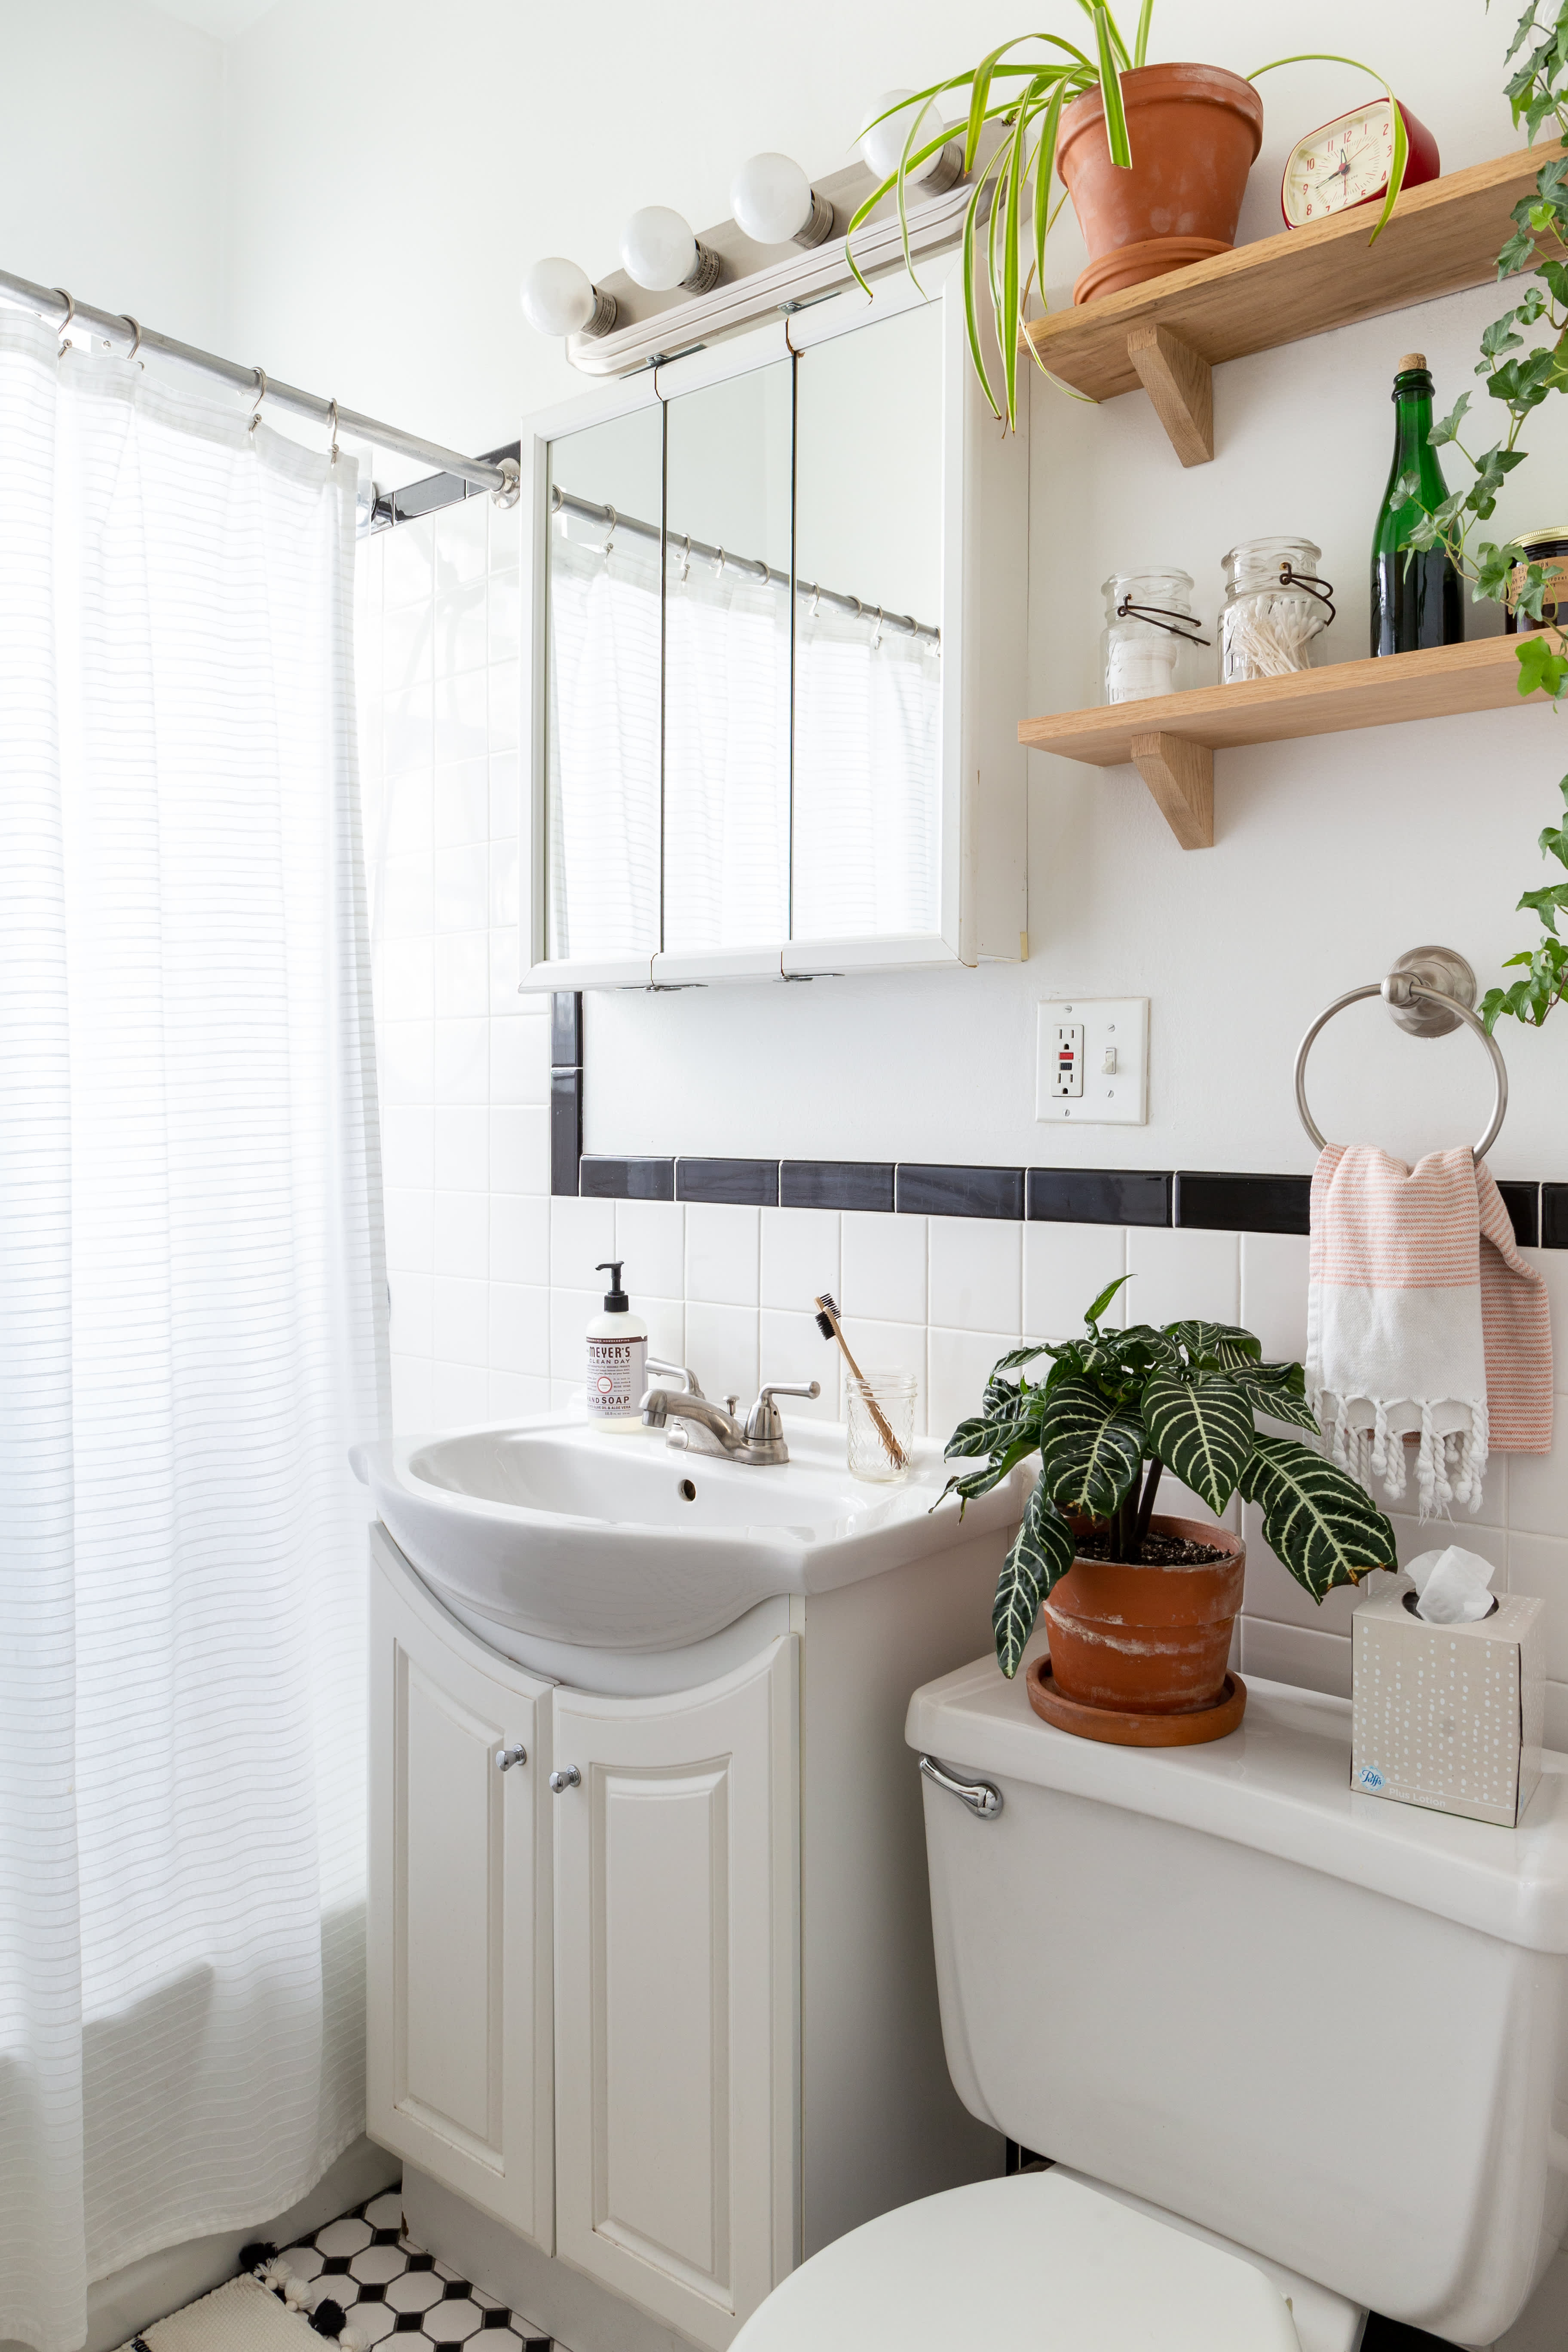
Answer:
[(1275, 608), (1151, 631), (880, 1412)]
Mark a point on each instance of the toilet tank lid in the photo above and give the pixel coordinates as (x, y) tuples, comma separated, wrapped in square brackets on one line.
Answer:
[(1282, 1784)]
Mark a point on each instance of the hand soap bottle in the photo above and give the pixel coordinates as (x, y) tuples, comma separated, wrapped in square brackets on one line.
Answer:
[(617, 1359)]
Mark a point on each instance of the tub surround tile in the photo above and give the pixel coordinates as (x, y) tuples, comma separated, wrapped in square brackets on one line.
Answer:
[(800, 1257), (837, 1185), (1256, 1204), (650, 1236), (461, 962), (408, 1144), (1100, 1196), (938, 1191), (407, 988), (505, 796), (884, 1269), (751, 1183), (1066, 1267), (462, 810), (976, 1274), (410, 1230), (626, 1179), (413, 1314), (722, 1255)]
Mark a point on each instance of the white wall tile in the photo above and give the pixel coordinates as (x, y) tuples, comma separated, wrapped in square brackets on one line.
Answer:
[(408, 574), (409, 1145), (460, 899), (505, 869), (721, 1346), (976, 1273), (800, 1257), (413, 1389), (506, 796), (518, 1327), (516, 1396), (407, 1059), (1557, 1737), (460, 716), (406, 645), (721, 1254), (1274, 1294), (1538, 1489), (462, 1061), (460, 1395), (650, 1237), (520, 1150), (1273, 1592), (505, 711), (408, 816), (1413, 1539), (1539, 1565), (407, 895), (462, 974), (407, 981), (462, 630), (460, 1234), (571, 1312), (520, 1059), (461, 1164), (1289, 1654), (410, 1231), (794, 1349), (1066, 1267), (462, 804), (892, 1347), (884, 1267), (1552, 1266), (408, 728), (1181, 1274), (959, 1365), (506, 970), (462, 1320), (520, 1238), (461, 542), (413, 1324), (582, 1234), (506, 617), (666, 1320)]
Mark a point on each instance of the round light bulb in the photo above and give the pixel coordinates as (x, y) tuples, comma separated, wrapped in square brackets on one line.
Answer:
[(883, 144), (558, 299), (659, 248), (770, 199)]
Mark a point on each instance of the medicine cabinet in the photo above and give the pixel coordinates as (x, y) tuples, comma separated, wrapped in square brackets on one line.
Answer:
[(777, 619)]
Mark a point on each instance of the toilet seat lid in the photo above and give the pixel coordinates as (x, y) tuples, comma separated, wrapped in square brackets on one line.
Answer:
[(1034, 2263)]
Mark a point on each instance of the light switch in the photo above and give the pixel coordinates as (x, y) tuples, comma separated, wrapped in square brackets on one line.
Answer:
[(1093, 1060)]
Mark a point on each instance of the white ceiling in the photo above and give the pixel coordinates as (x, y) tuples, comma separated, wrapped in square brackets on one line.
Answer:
[(225, 18)]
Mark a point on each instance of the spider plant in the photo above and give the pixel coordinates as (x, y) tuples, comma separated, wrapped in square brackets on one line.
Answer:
[(1010, 210)]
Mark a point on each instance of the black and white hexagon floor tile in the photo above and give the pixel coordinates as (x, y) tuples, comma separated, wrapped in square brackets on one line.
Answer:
[(386, 2287)]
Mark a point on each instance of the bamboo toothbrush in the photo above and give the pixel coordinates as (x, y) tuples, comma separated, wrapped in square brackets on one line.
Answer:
[(828, 1323)]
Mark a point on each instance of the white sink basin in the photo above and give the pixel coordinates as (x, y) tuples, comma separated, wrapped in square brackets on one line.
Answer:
[(571, 1534)]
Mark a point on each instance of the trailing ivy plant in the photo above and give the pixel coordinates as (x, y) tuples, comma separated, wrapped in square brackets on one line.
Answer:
[(1545, 982), (1118, 1408), (1518, 379)]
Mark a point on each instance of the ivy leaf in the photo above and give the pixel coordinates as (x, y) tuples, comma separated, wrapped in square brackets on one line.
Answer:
[(1500, 337), (1325, 1528), (1547, 903), (1216, 1347), (1446, 429), (1202, 1429), (1041, 1552), (1494, 568), (1491, 472), (1517, 254), (1090, 1453), (1539, 667)]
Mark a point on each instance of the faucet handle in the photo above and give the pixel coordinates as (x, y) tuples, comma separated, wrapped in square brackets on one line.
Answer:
[(764, 1426), (788, 1388), (657, 1367)]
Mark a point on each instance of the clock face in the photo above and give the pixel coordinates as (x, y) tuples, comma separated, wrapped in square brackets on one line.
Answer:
[(1346, 162)]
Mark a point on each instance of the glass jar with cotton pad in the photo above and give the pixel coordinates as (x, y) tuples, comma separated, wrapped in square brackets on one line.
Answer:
[(1151, 636)]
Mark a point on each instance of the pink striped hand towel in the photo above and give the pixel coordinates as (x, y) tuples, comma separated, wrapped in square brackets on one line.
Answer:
[(1423, 1321)]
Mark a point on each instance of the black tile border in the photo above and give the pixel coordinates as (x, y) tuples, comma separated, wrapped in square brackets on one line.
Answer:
[(1223, 1204), (565, 1131), (1522, 1202), (748, 1183), (1554, 1216), (603, 1179), (939, 1191), (837, 1185), (1098, 1196)]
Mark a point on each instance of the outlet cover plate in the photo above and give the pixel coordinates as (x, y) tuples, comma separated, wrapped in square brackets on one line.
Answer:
[(1110, 1024)]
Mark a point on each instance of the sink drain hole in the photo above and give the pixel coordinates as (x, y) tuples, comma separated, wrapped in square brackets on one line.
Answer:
[(688, 1491)]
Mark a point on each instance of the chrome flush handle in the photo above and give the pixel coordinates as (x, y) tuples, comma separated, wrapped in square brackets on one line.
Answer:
[(978, 1795), (507, 1756), (567, 1778)]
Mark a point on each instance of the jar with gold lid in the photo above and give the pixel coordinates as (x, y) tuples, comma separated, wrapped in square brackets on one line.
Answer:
[(1549, 548)]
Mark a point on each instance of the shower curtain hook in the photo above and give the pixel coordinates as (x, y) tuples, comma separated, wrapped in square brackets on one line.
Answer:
[(334, 411), (614, 526), (135, 327), (260, 375), (720, 563), (66, 322), (816, 600), (877, 640), (686, 560)]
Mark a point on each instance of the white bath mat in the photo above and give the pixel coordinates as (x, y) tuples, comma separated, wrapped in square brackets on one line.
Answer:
[(240, 2317)]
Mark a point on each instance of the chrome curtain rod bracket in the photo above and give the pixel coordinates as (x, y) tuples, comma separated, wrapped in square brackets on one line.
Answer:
[(1431, 992)]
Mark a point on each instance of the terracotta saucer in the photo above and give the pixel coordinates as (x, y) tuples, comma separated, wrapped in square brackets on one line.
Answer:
[(1129, 1730)]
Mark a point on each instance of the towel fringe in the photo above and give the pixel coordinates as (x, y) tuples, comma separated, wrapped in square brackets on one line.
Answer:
[(1450, 1465)]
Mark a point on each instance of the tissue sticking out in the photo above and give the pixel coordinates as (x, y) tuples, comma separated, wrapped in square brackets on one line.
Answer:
[(1452, 1587)]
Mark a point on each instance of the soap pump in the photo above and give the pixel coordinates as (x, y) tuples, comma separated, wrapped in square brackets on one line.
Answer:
[(617, 1357)]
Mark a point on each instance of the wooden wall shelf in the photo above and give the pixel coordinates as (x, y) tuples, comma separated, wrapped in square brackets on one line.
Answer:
[(1172, 739), (1170, 332)]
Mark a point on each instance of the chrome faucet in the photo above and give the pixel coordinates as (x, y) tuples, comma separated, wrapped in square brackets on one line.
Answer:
[(706, 1428)]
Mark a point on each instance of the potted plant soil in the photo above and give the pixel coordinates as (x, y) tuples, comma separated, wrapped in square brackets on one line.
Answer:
[(1140, 1607), (1154, 158)]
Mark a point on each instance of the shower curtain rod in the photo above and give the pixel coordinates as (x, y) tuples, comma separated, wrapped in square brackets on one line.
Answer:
[(677, 542), (501, 480)]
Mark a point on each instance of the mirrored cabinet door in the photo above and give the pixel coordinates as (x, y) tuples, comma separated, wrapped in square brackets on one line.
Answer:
[(727, 664), (601, 817), (869, 668)]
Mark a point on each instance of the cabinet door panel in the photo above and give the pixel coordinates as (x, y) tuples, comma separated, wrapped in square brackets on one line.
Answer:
[(676, 1994), (459, 2059)]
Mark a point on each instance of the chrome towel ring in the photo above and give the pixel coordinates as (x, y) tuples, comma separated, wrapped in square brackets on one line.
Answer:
[(1429, 992)]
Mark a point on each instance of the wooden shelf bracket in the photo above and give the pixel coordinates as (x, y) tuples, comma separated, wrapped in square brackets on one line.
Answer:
[(1180, 386), (1180, 774)]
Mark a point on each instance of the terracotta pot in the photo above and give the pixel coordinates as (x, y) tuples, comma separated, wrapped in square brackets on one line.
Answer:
[(1151, 1639), (1195, 133)]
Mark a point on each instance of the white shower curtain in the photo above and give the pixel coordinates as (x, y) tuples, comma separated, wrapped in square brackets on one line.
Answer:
[(192, 1323)]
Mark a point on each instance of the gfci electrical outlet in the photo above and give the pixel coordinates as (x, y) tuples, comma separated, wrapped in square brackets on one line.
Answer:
[(1091, 1061)]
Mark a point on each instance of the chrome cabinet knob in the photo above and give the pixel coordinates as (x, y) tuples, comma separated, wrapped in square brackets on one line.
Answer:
[(567, 1778), (507, 1756)]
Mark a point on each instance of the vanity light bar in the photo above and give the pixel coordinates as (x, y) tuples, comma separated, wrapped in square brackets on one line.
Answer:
[(902, 625)]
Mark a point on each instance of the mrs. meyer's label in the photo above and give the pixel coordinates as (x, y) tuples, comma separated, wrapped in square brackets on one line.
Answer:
[(616, 1378)]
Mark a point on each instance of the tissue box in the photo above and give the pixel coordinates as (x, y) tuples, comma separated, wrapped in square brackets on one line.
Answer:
[(1449, 1717)]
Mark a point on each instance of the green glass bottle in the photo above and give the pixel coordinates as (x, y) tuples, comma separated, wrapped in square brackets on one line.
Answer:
[(1415, 599)]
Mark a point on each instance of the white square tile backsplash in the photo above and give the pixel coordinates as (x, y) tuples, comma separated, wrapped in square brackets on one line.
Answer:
[(493, 1282)]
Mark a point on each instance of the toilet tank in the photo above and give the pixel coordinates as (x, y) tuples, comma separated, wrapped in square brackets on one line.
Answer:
[(1332, 2028)]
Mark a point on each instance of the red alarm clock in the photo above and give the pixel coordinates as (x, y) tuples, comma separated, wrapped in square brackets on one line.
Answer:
[(1348, 160)]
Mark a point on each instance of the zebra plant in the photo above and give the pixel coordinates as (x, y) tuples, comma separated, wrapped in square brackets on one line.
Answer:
[(1181, 1398)]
